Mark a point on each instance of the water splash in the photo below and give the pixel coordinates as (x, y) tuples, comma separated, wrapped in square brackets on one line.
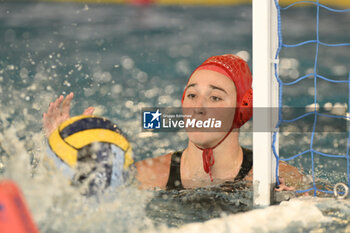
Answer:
[(57, 206)]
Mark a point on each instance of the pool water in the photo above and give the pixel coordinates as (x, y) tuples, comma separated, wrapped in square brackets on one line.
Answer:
[(120, 58)]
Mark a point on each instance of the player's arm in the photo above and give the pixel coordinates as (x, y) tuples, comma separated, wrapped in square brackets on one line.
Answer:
[(153, 172), (289, 177)]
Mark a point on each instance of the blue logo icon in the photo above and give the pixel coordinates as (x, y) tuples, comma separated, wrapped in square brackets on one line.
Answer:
[(151, 120)]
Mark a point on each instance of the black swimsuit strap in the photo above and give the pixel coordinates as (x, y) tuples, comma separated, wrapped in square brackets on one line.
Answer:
[(247, 164), (174, 181)]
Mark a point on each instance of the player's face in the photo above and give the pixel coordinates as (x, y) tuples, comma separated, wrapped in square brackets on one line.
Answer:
[(209, 94)]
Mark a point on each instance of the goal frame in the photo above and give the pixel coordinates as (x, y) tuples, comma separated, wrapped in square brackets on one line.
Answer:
[(265, 100)]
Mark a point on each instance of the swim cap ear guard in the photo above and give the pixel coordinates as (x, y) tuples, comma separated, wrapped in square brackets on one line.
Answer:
[(245, 109), (92, 151)]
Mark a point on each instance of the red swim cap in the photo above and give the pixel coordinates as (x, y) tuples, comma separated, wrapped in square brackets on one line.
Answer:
[(236, 69)]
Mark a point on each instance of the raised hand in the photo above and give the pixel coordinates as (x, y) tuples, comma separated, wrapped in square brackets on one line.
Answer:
[(58, 112)]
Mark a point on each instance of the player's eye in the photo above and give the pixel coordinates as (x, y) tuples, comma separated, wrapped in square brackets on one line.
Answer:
[(215, 98), (191, 96)]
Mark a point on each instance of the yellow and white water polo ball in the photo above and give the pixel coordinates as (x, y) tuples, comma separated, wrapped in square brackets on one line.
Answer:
[(92, 151)]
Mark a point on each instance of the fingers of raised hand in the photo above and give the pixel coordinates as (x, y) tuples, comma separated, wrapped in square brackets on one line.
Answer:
[(54, 107), (57, 113), (66, 104), (89, 111)]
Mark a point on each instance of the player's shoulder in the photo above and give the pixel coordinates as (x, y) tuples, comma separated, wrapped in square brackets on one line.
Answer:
[(154, 172), (156, 162)]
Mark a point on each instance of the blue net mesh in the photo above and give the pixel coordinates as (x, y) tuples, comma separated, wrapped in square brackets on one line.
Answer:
[(314, 113)]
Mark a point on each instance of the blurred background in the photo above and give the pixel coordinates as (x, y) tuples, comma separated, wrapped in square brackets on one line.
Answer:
[(343, 3), (115, 57), (121, 56)]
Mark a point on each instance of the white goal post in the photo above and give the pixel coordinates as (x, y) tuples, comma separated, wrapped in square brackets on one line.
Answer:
[(265, 98)]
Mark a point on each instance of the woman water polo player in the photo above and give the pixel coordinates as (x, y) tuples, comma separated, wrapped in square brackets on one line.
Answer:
[(211, 157)]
